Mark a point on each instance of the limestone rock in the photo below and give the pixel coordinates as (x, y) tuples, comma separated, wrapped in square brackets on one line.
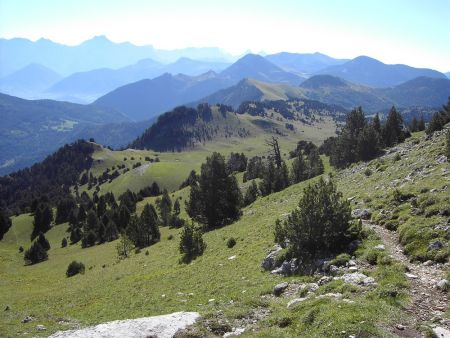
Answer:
[(268, 262), (357, 278), (279, 288), (436, 245), (294, 302), (443, 285), (159, 326)]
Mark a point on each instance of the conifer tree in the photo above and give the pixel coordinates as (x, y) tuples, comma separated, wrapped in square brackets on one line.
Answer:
[(43, 217), (216, 199), (191, 243), (251, 194), (319, 226), (35, 254), (43, 242), (165, 208), (5, 223), (299, 169), (393, 129)]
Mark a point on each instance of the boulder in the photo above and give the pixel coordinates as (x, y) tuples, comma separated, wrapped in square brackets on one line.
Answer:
[(361, 213), (333, 270), (436, 245), (441, 332), (324, 280), (353, 245), (41, 328), (27, 319), (380, 247), (287, 268), (164, 326), (357, 278), (236, 332), (294, 302), (443, 285), (269, 262), (312, 287), (279, 288)]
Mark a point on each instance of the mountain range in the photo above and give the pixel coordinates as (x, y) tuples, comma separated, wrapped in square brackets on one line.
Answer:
[(32, 129), (373, 73), (98, 52)]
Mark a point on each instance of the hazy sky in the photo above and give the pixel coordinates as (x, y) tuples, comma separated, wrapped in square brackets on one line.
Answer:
[(415, 32)]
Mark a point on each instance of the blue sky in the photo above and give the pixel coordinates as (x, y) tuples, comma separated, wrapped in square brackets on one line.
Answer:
[(396, 31)]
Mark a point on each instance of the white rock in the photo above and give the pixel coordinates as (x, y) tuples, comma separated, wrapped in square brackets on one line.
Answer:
[(41, 328), (443, 285), (410, 275), (357, 278), (231, 258), (160, 326), (379, 247), (295, 302), (236, 332), (353, 268), (441, 332)]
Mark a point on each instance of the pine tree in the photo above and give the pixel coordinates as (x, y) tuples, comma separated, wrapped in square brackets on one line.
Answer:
[(414, 125), (320, 225), (165, 208), (421, 124), (149, 219), (216, 199), (368, 144), (299, 169), (5, 223), (35, 254), (43, 217), (191, 243), (43, 242), (176, 207), (251, 194), (376, 124), (393, 129), (315, 164)]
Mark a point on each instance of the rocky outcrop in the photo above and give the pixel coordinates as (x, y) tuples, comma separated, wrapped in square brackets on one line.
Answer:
[(159, 326)]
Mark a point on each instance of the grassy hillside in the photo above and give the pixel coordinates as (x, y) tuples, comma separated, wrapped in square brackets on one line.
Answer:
[(225, 289), (173, 167)]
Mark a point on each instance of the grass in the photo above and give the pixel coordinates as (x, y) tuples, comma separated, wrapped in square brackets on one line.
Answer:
[(145, 285), (174, 167)]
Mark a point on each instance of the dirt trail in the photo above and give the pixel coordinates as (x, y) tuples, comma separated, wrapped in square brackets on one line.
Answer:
[(428, 302)]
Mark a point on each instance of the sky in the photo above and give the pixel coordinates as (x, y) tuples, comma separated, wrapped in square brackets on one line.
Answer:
[(413, 32)]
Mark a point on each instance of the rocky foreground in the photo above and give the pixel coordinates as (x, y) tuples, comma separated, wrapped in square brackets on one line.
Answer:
[(159, 326)]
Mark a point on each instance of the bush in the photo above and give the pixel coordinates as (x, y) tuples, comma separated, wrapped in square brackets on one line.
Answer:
[(367, 172), (75, 268), (320, 225), (340, 260), (35, 254), (64, 242), (231, 242), (191, 243)]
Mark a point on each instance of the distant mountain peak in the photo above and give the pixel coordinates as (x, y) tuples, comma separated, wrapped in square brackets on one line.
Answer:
[(98, 39), (319, 81)]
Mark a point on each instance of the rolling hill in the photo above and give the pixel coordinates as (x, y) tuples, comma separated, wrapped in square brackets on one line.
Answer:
[(252, 90), (373, 73), (257, 67), (303, 63), (149, 98), (32, 129), (425, 92), (89, 86), (29, 81)]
